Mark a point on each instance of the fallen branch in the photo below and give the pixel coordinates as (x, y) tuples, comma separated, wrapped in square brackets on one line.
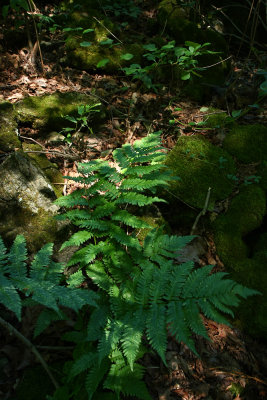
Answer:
[(202, 212), (13, 331)]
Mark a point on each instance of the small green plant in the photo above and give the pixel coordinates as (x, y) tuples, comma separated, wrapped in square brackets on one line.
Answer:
[(144, 294), (170, 54), (81, 121), (120, 8), (249, 180)]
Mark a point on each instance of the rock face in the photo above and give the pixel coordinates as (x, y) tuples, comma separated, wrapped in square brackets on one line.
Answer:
[(26, 203)]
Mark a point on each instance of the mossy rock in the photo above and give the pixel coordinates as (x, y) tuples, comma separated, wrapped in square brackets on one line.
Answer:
[(50, 169), (46, 112), (244, 260), (8, 128), (199, 166), (27, 203), (87, 58), (217, 119), (248, 143)]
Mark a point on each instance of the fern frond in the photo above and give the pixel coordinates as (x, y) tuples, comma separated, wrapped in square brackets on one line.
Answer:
[(17, 257), (75, 279), (156, 329), (98, 320), (77, 239), (95, 376), (110, 338), (133, 327), (45, 318), (129, 382), (178, 325), (144, 282), (193, 318), (121, 237), (179, 276), (41, 261), (141, 184), (3, 254), (75, 298), (9, 296), (99, 276), (137, 199), (210, 312), (73, 199), (128, 219), (83, 363)]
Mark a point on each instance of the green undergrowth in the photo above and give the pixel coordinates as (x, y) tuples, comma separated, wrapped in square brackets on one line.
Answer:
[(129, 294)]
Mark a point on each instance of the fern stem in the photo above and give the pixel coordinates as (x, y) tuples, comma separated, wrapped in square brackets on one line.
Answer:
[(13, 331)]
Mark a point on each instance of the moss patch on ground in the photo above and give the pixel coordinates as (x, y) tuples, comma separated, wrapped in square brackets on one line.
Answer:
[(248, 143), (199, 166), (46, 112)]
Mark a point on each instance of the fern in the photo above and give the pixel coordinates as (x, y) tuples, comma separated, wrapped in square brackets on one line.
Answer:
[(144, 295), (40, 280)]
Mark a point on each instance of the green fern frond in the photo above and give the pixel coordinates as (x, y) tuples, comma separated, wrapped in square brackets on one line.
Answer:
[(128, 219), (73, 199), (17, 257), (9, 296), (77, 239), (95, 376), (143, 283), (75, 298), (178, 325), (3, 255), (141, 184), (98, 320), (137, 199), (179, 275), (134, 326), (45, 318), (110, 339), (156, 329), (75, 279), (129, 382), (121, 237), (210, 312), (97, 273), (41, 261), (83, 363)]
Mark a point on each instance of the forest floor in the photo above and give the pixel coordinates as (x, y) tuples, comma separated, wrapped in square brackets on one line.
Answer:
[(232, 364)]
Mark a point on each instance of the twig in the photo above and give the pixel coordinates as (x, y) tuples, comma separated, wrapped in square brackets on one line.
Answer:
[(56, 153), (219, 62), (108, 30), (202, 212), (13, 331), (33, 140)]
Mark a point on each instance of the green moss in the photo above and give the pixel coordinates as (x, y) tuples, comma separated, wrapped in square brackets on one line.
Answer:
[(47, 111), (200, 165), (8, 128), (245, 261), (50, 169), (248, 143), (87, 58), (154, 222)]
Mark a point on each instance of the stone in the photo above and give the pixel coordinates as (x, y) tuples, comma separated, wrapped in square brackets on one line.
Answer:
[(27, 203)]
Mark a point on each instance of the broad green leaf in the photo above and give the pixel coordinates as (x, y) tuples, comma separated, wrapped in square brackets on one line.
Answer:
[(127, 56), (185, 75), (102, 62), (85, 44)]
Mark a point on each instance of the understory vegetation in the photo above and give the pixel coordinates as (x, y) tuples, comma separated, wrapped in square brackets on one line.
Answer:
[(122, 278)]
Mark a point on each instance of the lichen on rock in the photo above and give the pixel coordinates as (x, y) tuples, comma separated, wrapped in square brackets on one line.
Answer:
[(199, 166)]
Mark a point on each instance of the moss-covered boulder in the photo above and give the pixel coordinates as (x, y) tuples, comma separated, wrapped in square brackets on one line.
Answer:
[(47, 112), (248, 143), (199, 166), (50, 169), (246, 261), (8, 128), (27, 203)]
